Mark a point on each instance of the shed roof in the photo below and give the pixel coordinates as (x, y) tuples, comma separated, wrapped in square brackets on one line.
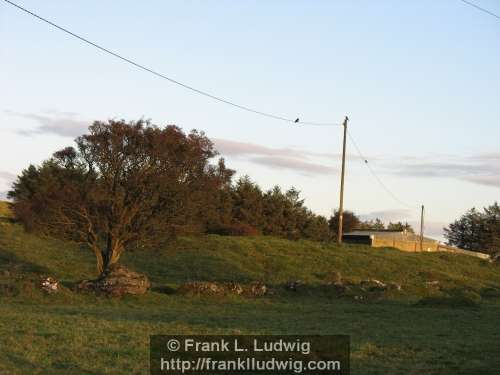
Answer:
[(388, 234)]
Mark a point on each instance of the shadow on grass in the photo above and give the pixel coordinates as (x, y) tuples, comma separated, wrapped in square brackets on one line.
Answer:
[(10, 262)]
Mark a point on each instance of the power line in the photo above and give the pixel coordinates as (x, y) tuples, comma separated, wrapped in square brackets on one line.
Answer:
[(480, 8), (160, 75), (377, 178)]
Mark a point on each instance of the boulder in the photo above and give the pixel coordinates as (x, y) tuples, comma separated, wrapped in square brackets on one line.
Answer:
[(373, 285), (49, 285), (116, 282)]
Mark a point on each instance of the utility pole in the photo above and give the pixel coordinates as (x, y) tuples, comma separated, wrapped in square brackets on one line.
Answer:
[(422, 229), (341, 205)]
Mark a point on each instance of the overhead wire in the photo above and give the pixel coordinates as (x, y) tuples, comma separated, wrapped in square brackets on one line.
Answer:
[(163, 76), (480, 8), (214, 97), (377, 178)]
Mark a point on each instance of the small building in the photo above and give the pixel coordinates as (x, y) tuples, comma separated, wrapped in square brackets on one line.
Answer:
[(402, 240)]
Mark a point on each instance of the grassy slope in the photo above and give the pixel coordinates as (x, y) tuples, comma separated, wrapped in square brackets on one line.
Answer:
[(75, 334)]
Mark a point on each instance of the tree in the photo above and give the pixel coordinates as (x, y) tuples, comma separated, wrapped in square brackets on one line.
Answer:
[(492, 228), (350, 222), (247, 203), (316, 228), (400, 227), (476, 231), (376, 224), (125, 184)]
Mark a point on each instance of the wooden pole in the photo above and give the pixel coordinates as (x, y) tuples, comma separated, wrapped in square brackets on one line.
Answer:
[(422, 229), (342, 174)]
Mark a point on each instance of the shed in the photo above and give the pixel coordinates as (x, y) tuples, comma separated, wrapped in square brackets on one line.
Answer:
[(402, 240)]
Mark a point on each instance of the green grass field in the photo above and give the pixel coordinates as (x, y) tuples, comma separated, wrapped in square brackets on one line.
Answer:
[(419, 330)]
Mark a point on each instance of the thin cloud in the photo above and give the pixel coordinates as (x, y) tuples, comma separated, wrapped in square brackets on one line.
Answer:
[(65, 124), (235, 148), (482, 169), (388, 215), (276, 158), (306, 168)]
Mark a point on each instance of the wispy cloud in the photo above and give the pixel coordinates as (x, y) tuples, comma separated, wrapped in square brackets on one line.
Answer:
[(388, 215), (277, 158), (305, 167), (65, 124), (483, 169), (235, 148)]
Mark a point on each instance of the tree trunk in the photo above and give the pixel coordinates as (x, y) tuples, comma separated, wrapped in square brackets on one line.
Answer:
[(99, 259), (111, 257)]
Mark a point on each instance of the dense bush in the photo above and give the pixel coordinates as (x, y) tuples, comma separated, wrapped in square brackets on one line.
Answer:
[(236, 229)]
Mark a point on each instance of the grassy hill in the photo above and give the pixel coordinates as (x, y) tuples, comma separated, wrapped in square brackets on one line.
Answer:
[(391, 333)]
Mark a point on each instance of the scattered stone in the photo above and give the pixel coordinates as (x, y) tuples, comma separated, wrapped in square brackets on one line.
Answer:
[(258, 289), (116, 282), (201, 287), (394, 286), (373, 285), (432, 283), (234, 288), (49, 285), (255, 289), (495, 258), (293, 285)]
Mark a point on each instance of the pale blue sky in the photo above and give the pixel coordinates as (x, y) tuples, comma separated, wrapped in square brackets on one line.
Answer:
[(418, 79)]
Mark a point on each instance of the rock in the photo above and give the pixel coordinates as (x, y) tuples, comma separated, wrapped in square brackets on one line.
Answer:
[(201, 287), (117, 281), (394, 286), (373, 285), (495, 258), (234, 288), (258, 289), (293, 285), (49, 285), (432, 283), (255, 289)]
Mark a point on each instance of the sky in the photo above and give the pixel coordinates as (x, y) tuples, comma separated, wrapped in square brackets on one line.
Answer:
[(418, 80)]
